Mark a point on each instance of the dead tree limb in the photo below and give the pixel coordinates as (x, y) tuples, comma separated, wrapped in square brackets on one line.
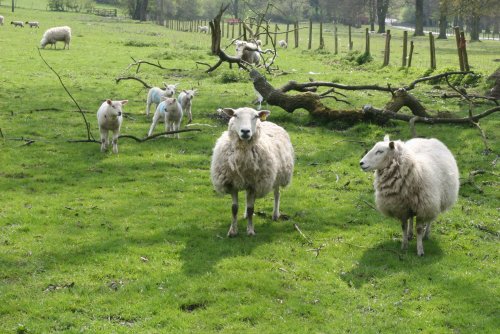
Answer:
[(141, 140), (145, 84), (138, 63)]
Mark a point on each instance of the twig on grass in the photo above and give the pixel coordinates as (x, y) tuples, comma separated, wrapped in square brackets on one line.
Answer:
[(309, 241), (140, 140)]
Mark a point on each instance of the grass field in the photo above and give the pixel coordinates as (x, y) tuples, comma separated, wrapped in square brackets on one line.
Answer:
[(136, 242)]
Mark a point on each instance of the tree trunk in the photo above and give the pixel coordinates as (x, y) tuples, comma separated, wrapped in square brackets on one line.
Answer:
[(443, 24), (236, 8), (475, 28), (419, 18), (372, 11), (382, 7)]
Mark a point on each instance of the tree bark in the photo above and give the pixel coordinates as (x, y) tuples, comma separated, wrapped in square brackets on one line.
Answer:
[(475, 27), (443, 24), (419, 18), (382, 7)]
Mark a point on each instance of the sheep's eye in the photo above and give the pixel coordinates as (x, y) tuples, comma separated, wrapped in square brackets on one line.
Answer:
[(379, 152)]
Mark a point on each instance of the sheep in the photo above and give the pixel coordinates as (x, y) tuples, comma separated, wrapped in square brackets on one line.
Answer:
[(17, 24), (283, 44), (203, 29), (109, 118), (56, 34), (33, 24), (254, 156), (185, 99), (1, 20), (171, 111), (248, 51), (156, 94), (417, 178)]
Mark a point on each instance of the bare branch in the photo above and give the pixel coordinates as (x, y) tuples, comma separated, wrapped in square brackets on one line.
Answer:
[(146, 85)]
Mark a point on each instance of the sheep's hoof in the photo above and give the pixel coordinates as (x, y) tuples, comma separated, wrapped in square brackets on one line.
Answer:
[(420, 253), (232, 232), (250, 231), (404, 245)]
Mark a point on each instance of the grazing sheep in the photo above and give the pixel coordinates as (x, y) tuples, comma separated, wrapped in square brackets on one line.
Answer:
[(33, 24), (254, 156), (156, 94), (170, 110), (109, 118), (248, 51), (1, 20), (56, 34), (185, 99), (203, 29), (17, 24), (418, 178), (283, 44)]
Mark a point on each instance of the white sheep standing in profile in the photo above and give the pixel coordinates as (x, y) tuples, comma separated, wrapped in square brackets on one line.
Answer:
[(170, 110), (186, 100), (32, 24), (203, 29), (417, 178), (17, 24), (56, 34), (248, 51), (254, 156), (283, 43), (110, 118), (156, 95)]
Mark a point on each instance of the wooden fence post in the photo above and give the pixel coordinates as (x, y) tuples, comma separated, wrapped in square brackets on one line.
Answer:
[(286, 35), (405, 48), (367, 41), (336, 39), (463, 47), (310, 34), (411, 54), (296, 34), (350, 39), (276, 28), (432, 51), (387, 51), (321, 40), (459, 49)]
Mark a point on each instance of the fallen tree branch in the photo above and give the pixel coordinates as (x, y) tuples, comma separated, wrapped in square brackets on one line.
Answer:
[(145, 84), (138, 63), (141, 140)]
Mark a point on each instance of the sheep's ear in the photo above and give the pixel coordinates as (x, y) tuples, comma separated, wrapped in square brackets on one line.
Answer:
[(175, 85), (391, 145), (228, 111), (263, 114), (184, 91), (165, 84), (386, 138), (124, 102), (108, 101)]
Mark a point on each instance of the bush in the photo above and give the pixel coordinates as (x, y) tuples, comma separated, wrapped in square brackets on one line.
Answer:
[(232, 76)]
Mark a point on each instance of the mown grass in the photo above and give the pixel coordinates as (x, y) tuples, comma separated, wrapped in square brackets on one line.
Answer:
[(135, 242)]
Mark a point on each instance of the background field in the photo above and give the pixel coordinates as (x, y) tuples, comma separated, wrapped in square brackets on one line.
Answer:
[(136, 242)]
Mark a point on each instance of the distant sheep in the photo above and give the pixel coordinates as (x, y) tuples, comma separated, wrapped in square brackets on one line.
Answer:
[(248, 51), (170, 111), (156, 95), (1, 20), (186, 100), (110, 118), (254, 156), (418, 178), (33, 24), (17, 24), (203, 29), (56, 34), (283, 44)]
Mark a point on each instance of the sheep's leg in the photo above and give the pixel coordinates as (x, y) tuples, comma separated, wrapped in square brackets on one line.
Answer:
[(427, 233), (410, 228), (233, 230), (156, 118), (190, 115), (116, 133), (420, 235), (276, 210), (250, 208), (177, 126), (404, 227), (104, 139)]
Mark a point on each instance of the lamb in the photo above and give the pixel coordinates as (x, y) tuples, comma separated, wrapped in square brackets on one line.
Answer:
[(283, 44), (109, 118), (417, 178), (17, 24), (1, 20), (203, 29), (248, 51), (33, 24), (185, 99), (56, 34), (171, 111), (254, 156), (156, 94)]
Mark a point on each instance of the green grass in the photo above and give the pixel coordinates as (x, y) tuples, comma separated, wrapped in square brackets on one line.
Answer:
[(136, 242)]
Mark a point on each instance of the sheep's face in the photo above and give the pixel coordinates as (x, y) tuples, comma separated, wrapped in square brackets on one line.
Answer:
[(169, 101), (170, 89), (189, 94), (244, 121), (115, 107), (240, 46), (379, 156)]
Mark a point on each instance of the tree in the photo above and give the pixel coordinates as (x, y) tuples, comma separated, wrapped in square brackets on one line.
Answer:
[(382, 8), (443, 19), (419, 18)]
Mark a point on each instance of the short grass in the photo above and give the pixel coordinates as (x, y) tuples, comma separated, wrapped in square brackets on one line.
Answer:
[(135, 242)]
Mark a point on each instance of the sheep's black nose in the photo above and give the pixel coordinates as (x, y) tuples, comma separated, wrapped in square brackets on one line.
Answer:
[(361, 163), (119, 113), (245, 132)]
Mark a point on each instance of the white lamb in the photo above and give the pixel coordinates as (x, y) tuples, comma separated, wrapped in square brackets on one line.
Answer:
[(109, 118), (17, 24), (33, 24), (248, 51), (417, 178), (156, 95), (203, 29), (1, 20), (186, 100), (283, 44), (254, 156), (170, 111), (56, 34)]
